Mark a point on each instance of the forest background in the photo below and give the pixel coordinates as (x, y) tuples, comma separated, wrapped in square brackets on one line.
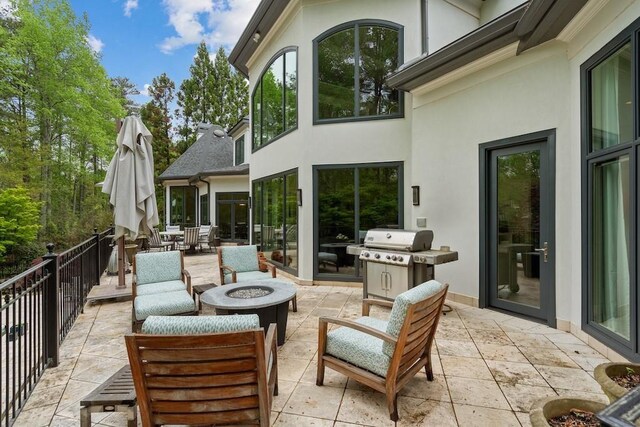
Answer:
[(58, 109)]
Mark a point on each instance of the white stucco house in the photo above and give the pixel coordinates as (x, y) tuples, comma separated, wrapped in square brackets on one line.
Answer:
[(517, 123)]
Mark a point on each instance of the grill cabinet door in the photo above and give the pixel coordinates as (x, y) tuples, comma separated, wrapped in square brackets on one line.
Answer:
[(397, 280), (376, 280)]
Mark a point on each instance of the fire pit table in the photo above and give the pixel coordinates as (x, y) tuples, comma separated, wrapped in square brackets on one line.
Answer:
[(269, 299)]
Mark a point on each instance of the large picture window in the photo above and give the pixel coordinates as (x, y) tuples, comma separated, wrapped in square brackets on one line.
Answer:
[(182, 201), (349, 200), (611, 144), (275, 218), (275, 99), (352, 63)]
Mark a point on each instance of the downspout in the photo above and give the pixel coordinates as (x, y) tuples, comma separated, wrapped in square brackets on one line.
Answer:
[(197, 202)]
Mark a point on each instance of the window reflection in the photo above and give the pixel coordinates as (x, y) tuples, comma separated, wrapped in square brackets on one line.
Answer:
[(275, 100), (353, 65)]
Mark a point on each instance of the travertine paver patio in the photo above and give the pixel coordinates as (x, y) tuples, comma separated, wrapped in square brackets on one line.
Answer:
[(488, 367)]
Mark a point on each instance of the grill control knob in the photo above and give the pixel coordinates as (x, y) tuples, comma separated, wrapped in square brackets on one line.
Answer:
[(366, 254), (388, 257), (377, 256), (394, 257), (400, 258)]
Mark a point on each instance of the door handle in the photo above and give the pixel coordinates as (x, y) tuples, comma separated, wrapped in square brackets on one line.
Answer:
[(390, 282), (383, 281), (545, 251)]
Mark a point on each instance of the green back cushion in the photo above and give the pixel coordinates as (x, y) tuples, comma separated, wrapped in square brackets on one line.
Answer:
[(154, 267), (240, 258), (193, 325), (401, 305)]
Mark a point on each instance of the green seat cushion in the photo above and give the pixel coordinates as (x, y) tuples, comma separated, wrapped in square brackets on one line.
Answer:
[(154, 267), (358, 348), (164, 304), (401, 305), (248, 276), (158, 288), (192, 325), (240, 258)]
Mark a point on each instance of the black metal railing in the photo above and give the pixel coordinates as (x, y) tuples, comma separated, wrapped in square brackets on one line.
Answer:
[(39, 307)]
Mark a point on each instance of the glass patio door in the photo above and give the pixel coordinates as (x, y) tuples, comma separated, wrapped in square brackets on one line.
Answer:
[(233, 216), (520, 240)]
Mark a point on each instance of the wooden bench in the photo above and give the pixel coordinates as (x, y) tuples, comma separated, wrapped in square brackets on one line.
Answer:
[(117, 394)]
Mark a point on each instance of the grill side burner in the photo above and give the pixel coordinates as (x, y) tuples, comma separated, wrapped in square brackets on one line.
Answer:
[(397, 260)]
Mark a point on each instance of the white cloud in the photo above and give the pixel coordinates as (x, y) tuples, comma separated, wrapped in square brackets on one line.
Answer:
[(218, 22), (130, 5), (6, 9), (145, 90), (95, 43)]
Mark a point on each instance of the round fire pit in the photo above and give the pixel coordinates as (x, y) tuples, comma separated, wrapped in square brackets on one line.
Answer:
[(250, 292), (269, 299)]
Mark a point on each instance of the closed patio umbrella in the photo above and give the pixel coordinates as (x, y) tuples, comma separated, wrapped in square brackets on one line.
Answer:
[(129, 183)]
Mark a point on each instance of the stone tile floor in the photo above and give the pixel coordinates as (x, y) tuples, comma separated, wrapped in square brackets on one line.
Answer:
[(489, 367)]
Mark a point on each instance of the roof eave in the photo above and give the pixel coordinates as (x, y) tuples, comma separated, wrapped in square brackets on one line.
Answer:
[(530, 24), (263, 19)]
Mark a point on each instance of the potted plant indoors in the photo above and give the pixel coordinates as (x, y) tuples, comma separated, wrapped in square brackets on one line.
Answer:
[(616, 379), (565, 409)]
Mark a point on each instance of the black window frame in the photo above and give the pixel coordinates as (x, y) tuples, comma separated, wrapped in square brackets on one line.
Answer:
[(196, 201), (254, 203), (355, 25), (274, 58), (204, 209), (239, 150), (589, 158), (357, 277)]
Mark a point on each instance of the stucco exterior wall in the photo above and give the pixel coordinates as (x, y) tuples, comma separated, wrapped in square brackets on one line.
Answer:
[(225, 184), (447, 22), (538, 90), (351, 142)]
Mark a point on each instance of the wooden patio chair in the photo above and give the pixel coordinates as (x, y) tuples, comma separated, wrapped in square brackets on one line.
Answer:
[(207, 370), (244, 264), (191, 238), (385, 355), (155, 241)]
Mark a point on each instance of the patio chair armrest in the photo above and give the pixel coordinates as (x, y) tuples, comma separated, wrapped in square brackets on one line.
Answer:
[(271, 357), (186, 277), (358, 327), (368, 302), (270, 268), (234, 277), (270, 342)]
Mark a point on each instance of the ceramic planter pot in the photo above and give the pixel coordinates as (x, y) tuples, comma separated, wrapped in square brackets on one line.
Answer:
[(547, 408), (605, 371)]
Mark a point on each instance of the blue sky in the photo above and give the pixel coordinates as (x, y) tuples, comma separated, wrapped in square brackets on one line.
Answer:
[(141, 39)]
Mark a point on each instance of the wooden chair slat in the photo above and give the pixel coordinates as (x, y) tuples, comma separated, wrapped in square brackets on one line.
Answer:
[(408, 359), (232, 404), (420, 330), (197, 368), (197, 341), (208, 393), (231, 417), (197, 354), (427, 320), (196, 381)]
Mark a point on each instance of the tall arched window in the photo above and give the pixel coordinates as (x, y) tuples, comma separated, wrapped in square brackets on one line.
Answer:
[(351, 64), (275, 99)]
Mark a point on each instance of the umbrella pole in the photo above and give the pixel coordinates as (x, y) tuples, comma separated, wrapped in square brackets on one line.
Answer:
[(121, 281)]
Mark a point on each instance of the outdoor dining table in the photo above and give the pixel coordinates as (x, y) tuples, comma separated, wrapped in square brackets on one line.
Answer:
[(172, 234)]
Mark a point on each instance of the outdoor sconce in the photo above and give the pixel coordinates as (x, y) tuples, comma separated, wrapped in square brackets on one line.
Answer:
[(299, 196), (249, 202), (256, 36), (416, 195)]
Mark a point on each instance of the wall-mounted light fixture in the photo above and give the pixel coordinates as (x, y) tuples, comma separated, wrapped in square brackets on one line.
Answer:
[(415, 189), (249, 201), (299, 196), (256, 36)]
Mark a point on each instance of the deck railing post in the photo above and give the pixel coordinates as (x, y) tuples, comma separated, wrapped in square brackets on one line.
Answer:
[(50, 309), (98, 257)]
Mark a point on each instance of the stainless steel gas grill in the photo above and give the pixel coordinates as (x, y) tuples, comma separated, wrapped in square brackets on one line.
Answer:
[(397, 260)]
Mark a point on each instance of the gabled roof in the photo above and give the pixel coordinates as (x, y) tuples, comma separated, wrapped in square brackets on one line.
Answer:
[(210, 153)]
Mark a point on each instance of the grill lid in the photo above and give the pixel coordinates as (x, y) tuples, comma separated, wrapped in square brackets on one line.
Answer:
[(399, 240)]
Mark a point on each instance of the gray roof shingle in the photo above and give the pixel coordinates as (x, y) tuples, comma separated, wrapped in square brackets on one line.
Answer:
[(209, 155)]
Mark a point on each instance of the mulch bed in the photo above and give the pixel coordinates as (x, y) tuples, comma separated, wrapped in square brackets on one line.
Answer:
[(576, 418), (628, 381)]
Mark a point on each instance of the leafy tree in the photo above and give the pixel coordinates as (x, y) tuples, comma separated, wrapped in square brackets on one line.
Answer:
[(18, 219), (57, 107), (124, 88), (156, 115), (213, 93)]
